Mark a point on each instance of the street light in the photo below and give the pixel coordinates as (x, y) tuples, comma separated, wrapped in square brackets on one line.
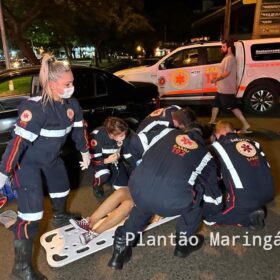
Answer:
[(139, 48)]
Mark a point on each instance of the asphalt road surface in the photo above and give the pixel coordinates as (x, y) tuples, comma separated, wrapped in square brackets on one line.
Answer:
[(220, 261)]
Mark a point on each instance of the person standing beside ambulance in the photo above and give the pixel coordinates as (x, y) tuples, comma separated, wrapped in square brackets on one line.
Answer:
[(227, 86)]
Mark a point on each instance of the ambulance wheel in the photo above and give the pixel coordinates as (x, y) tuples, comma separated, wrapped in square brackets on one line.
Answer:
[(261, 99)]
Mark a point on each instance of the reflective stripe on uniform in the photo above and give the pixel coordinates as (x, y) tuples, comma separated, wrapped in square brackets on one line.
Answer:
[(31, 216), (225, 157), (154, 123), (119, 187), (101, 172), (55, 132), (22, 132), (97, 155), (209, 223), (78, 124), (158, 137), (143, 139), (210, 199), (126, 156), (109, 151), (35, 98), (174, 106), (199, 168), (60, 194)]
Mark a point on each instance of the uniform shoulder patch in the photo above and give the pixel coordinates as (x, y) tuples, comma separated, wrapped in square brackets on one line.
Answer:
[(26, 116), (185, 141), (93, 143), (246, 149), (157, 112), (70, 114)]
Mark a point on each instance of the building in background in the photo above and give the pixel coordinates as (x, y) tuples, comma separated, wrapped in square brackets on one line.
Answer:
[(249, 19)]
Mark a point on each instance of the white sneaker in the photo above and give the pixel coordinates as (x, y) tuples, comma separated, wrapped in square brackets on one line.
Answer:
[(86, 237)]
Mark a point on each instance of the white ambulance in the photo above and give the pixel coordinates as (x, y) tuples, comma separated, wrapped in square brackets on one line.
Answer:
[(184, 76)]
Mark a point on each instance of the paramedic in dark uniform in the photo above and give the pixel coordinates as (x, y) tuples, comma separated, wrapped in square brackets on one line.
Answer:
[(107, 144), (148, 131), (246, 176), (161, 116), (33, 156), (171, 180)]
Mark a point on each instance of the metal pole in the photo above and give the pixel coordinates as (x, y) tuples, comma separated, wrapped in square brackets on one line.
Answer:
[(256, 29), (5, 47), (3, 36), (227, 19)]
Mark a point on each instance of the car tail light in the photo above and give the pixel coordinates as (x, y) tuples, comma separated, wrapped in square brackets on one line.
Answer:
[(156, 101)]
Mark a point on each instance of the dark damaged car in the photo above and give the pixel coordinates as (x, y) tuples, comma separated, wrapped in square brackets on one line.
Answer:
[(100, 94)]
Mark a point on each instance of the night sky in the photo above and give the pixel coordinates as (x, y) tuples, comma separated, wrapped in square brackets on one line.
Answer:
[(172, 18)]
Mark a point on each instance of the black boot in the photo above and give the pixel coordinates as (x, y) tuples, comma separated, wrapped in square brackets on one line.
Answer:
[(121, 254), (60, 216), (23, 268), (257, 219), (184, 247)]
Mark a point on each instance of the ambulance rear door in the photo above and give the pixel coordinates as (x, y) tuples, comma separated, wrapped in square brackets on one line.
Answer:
[(180, 75)]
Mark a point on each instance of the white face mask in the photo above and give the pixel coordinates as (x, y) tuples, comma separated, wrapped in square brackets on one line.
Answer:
[(67, 93)]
